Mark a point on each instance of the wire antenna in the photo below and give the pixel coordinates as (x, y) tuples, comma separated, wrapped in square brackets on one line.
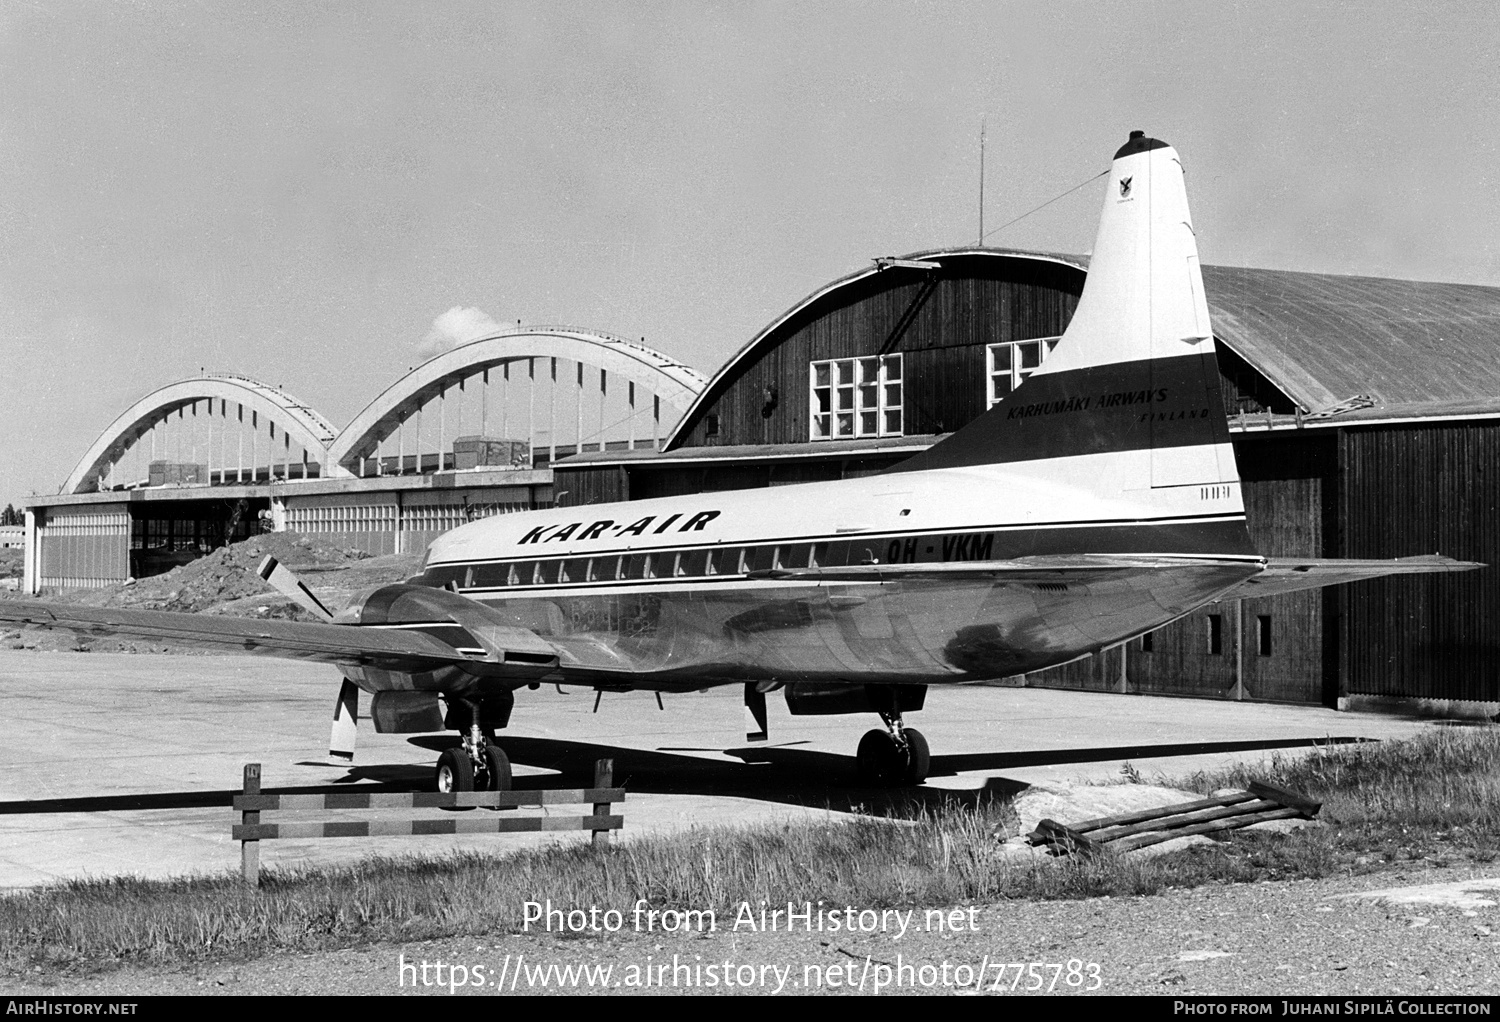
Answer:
[(1044, 205)]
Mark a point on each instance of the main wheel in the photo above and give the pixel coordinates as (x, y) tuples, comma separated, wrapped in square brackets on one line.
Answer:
[(881, 764), (496, 769), (918, 756), (454, 772)]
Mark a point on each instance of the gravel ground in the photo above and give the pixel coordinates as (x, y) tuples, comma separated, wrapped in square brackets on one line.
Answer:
[(1272, 938)]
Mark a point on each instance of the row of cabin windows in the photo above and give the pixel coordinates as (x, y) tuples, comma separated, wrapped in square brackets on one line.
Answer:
[(863, 397), (1215, 636), (630, 567)]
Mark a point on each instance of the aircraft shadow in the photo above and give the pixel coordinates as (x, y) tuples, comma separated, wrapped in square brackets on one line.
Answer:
[(782, 774), (794, 776)]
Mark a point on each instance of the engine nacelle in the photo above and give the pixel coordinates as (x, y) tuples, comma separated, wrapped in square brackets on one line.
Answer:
[(467, 625), (405, 713)]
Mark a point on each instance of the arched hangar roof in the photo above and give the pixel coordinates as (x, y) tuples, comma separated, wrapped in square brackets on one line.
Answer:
[(672, 381), (1410, 347), (300, 421)]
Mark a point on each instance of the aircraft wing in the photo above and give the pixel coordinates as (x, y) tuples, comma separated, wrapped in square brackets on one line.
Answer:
[(392, 649), (1291, 574)]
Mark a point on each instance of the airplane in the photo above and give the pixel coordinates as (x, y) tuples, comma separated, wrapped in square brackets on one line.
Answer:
[(1096, 503)]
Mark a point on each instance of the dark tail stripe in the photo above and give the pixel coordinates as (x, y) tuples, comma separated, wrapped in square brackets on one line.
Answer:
[(1128, 406)]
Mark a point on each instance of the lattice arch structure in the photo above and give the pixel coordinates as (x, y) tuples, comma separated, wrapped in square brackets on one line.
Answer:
[(214, 417), (561, 389)]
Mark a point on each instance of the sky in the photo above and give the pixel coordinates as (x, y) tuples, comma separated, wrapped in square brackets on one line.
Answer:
[(317, 194)]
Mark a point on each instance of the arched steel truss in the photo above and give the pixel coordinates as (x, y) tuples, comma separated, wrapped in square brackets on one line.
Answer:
[(298, 421), (341, 453), (672, 382)]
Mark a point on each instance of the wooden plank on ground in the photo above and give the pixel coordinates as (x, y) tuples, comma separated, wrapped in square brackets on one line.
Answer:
[(1126, 844)]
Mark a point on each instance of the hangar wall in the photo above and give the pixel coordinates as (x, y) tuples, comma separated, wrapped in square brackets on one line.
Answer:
[(1423, 487), (84, 547)]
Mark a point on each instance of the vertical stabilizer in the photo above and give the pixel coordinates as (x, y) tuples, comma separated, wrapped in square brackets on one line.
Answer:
[(1135, 371)]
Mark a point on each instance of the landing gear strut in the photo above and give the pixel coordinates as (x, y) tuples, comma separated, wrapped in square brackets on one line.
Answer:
[(476, 765), (893, 757)]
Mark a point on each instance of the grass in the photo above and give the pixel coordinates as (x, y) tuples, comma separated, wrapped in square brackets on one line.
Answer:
[(1435, 797)]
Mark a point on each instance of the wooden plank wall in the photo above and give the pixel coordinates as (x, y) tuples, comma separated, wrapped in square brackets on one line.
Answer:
[(1415, 490), (944, 345)]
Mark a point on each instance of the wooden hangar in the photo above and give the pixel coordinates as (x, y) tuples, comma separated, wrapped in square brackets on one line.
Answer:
[(1365, 415)]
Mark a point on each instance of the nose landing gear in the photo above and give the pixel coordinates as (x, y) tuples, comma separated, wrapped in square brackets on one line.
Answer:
[(476, 765)]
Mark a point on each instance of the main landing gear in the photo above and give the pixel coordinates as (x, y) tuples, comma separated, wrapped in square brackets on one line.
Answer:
[(476, 765), (896, 756)]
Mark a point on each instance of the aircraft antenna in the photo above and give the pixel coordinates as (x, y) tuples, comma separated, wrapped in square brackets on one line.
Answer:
[(981, 179)]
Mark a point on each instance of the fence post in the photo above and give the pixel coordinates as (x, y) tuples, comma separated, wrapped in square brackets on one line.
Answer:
[(250, 849), (604, 776)]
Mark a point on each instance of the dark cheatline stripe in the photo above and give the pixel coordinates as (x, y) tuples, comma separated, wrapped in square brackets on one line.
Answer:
[(1226, 537), (1128, 406)]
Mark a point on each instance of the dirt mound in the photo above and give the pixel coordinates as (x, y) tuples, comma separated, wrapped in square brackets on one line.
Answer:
[(228, 574), (225, 582)]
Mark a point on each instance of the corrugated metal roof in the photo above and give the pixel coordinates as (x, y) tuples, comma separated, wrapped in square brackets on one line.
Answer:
[(1408, 345)]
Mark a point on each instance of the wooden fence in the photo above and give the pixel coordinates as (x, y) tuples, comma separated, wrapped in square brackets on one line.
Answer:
[(250, 831)]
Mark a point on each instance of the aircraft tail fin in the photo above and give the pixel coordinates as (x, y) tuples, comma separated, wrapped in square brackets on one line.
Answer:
[(1135, 370)]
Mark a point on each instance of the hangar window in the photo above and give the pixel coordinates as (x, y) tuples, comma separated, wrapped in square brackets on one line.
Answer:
[(856, 397), (1012, 362)]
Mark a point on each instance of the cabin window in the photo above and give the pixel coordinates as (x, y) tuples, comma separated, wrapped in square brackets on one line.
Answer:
[(856, 397), (1263, 634), (691, 563), (1215, 635), (1010, 363), (634, 566), (754, 558), (1146, 645)]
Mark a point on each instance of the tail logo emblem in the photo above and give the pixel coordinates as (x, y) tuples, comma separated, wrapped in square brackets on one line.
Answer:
[(1125, 187)]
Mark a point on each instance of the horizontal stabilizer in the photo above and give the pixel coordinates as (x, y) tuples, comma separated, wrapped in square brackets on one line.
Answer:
[(1291, 574)]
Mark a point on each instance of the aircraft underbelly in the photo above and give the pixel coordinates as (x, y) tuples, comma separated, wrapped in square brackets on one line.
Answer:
[(894, 631)]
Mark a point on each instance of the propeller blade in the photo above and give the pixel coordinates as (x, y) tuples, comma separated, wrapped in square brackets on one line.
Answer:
[(345, 725), (290, 586), (755, 713)]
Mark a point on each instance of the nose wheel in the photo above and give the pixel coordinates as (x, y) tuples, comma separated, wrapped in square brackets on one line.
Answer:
[(897, 756), (457, 771), (476, 765)]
